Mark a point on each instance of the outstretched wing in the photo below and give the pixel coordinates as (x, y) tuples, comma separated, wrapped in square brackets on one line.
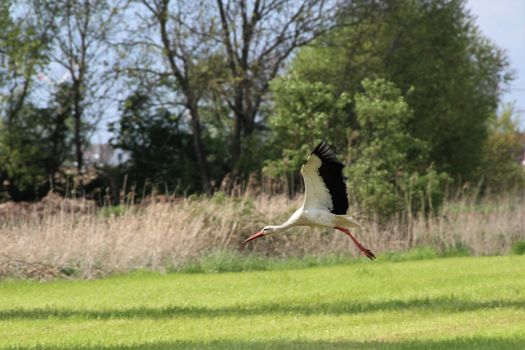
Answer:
[(324, 181)]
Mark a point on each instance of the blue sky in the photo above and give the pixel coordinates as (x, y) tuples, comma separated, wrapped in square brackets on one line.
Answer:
[(503, 21)]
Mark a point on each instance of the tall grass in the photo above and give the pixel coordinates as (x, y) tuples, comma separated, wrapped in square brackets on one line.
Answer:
[(82, 241)]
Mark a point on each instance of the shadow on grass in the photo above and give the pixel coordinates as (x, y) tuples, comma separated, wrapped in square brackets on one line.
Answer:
[(477, 343), (442, 304)]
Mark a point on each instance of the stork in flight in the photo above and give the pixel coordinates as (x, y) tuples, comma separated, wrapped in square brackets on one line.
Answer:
[(325, 201)]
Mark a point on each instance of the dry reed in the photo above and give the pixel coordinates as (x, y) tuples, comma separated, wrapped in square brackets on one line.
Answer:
[(59, 238)]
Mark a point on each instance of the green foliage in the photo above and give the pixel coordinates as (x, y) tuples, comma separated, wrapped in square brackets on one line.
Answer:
[(23, 157), (518, 247), (160, 150), (305, 113), (402, 153), (450, 94), (455, 92), (458, 249), (502, 152), (33, 147), (32, 138), (23, 50), (388, 174), (389, 170)]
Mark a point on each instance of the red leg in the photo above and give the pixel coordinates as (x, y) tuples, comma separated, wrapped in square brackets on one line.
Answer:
[(363, 250)]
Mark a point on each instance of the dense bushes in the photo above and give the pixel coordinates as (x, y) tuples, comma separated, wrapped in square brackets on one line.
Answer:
[(389, 170)]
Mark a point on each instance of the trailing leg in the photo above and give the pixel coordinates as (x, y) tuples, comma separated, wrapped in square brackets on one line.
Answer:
[(363, 250)]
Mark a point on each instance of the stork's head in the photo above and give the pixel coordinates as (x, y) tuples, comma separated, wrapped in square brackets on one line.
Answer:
[(267, 230)]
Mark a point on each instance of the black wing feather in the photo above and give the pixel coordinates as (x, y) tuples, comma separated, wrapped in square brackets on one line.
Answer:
[(331, 171)]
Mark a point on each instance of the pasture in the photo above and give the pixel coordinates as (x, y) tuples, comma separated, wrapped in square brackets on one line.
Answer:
[(464, 302)]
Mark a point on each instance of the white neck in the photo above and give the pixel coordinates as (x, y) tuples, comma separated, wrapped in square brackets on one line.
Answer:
[(283, 227)]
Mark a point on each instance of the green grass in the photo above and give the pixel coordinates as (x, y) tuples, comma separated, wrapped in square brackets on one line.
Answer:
[(454, 303), (234, 261)]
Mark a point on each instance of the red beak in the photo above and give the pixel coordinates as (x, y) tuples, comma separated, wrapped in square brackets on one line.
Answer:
[(254, 236)]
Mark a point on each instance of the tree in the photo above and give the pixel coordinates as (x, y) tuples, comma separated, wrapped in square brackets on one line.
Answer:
[(23, 51), (218, 60), (305, 113), (434, 50), (257, 39), (390, 172), (79, 45), (33, 151), (174, 26), (501, 168), (160, 149)]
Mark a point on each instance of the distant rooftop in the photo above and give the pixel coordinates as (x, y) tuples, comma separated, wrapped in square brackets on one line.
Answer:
[(104, 154)]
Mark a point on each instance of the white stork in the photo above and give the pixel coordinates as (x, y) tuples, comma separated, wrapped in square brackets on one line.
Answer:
[(326, 200)]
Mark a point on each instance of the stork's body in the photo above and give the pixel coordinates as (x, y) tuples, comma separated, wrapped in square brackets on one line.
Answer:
[(325, 201)]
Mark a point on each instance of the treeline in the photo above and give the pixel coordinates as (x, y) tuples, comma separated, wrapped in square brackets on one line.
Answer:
[(198, 92)]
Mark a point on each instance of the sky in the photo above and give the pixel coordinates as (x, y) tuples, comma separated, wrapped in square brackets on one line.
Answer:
[(503, 21)]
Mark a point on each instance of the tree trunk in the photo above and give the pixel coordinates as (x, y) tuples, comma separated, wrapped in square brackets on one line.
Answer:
[(238, 126), (236, 144), (243, 127), (199, 146), (77, 120)]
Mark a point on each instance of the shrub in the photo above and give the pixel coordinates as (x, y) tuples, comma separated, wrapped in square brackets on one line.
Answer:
[(502, 154), (459, 249), (518, 247), (390, 172)]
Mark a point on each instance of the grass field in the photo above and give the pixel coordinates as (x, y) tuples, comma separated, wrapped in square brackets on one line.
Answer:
[(464, 303)]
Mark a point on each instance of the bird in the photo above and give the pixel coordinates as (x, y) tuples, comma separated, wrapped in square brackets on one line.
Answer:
[(326, 199)]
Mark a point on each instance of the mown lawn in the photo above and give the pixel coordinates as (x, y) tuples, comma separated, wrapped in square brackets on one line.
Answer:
[(454, 303)]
